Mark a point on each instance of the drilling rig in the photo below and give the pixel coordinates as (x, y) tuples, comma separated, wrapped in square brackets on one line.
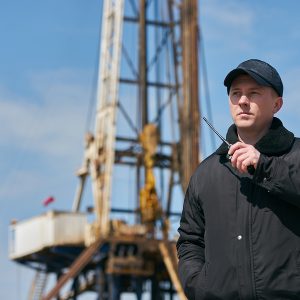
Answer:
[(147, 123)]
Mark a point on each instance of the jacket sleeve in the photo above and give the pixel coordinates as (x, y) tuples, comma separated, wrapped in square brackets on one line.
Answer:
[(190, 245), (280, 176)]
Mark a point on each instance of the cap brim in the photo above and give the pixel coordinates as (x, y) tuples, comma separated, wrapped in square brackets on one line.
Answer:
[(239, 71)]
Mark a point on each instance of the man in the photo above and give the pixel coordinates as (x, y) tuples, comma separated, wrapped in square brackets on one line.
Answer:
[(240, 231)]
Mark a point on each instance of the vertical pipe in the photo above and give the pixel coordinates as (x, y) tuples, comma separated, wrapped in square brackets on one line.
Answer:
[(143, 69), (190, 112), (143, 63), (195, 109)]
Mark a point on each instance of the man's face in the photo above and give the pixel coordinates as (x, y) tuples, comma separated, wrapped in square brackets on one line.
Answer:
[(252, 106)]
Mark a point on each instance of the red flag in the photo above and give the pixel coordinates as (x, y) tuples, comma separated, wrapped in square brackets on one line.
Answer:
[(48, 200)]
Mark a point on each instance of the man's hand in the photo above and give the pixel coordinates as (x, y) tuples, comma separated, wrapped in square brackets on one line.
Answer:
[(243, 156)]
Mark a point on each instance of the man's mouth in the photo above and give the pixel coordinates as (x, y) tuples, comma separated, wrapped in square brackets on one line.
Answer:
[(244, 114)]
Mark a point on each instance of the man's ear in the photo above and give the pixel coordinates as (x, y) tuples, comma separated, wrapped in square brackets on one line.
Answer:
[(277, 104)]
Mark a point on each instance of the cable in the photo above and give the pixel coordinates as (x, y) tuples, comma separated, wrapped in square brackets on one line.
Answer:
[(128, 119), (206, 88), (93, 95), (129, 62), (159, 49), (134, 8)]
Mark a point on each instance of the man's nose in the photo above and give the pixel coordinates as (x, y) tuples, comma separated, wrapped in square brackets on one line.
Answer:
[(244, 100)]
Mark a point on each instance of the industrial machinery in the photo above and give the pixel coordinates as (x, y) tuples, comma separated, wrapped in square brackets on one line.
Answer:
[(146, 123)]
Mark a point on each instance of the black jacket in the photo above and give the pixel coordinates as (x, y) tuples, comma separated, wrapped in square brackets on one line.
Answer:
[(240, 234)]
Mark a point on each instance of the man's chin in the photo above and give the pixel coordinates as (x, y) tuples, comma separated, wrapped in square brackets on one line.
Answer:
[(244, 124)]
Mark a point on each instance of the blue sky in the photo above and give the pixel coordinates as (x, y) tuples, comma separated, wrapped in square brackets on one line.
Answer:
[(48, 57)]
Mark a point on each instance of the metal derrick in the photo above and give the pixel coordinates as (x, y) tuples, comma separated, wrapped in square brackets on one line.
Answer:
[(115, 256)]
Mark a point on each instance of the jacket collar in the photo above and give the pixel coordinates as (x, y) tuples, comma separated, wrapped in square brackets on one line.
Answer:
[(278, 139)]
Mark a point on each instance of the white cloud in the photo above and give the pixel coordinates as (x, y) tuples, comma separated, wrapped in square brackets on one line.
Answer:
[(42, 138), (52, 122), (234, 18), (229, 13)]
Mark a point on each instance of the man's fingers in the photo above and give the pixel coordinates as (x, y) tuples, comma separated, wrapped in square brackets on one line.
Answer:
[(235, 147), (243, 161), (238, 156), (243, 156)]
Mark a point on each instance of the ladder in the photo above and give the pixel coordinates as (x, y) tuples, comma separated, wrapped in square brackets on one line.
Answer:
[(105, 125), (100, 148), (38, 285)]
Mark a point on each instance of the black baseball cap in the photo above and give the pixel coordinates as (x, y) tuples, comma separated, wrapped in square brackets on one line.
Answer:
[(263, 73)]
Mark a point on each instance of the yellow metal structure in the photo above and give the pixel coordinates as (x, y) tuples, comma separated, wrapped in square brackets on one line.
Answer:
[(149, 203)]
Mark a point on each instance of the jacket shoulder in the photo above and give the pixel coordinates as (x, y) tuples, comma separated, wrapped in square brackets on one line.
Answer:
[(296, 142), (209, 163), (295, 148)]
